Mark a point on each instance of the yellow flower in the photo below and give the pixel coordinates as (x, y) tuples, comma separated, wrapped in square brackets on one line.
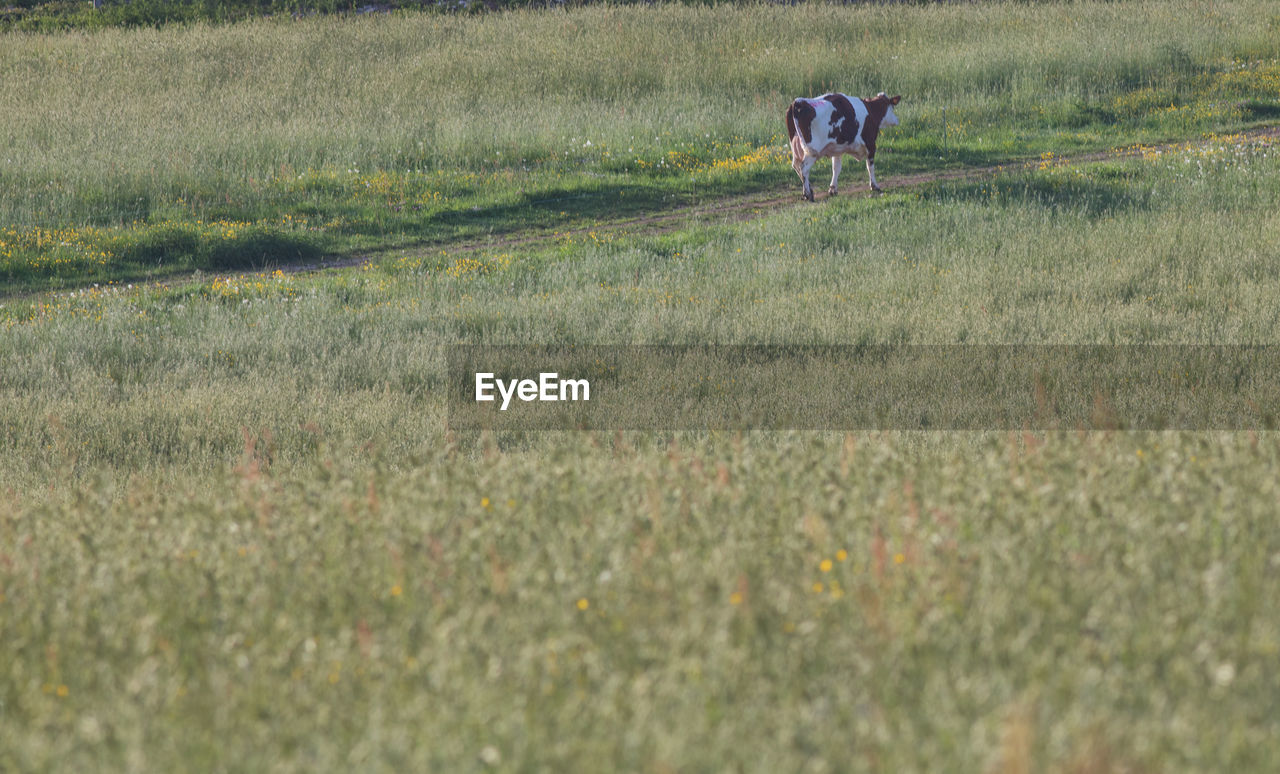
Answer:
[(484, 502), (396, 590), (899, 558), (817, 588), (583, 604), (841, 555), (62, 691), (735, 598), (825, 565)]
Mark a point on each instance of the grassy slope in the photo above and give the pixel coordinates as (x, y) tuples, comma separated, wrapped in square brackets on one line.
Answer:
[(143, 152), (239, 538), (233, 533)]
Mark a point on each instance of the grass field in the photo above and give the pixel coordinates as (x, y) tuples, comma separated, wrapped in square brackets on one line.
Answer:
[(235, 534), (138, 153)]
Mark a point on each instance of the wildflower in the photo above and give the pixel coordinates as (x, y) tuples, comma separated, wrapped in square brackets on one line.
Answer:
[(735, 598), (583, 604), (1222, 675), (899, 558), (825, 565), (396, 590), (841, 555)]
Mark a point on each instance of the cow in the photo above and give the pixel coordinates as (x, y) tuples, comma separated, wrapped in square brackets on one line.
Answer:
[(833, 125)]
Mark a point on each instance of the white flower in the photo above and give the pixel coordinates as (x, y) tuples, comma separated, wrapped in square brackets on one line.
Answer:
[(1224, 674)]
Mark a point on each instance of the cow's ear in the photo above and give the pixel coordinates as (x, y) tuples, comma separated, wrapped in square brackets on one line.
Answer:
[(895, 99)]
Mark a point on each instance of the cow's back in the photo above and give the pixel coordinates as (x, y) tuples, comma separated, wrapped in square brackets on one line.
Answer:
[(830, 126), (845, 122)]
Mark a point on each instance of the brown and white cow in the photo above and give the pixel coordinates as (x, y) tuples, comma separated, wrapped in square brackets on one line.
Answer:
[(833, 125)]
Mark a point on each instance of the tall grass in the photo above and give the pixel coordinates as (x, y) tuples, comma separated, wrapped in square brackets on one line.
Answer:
[(167, 378), (866, 604), (234, 533), (217, 123)]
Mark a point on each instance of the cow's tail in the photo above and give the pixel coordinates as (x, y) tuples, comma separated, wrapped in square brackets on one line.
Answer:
[(793, 110)]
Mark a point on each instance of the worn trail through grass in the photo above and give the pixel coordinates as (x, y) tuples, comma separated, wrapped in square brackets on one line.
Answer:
[(744, 206), (730, 209)]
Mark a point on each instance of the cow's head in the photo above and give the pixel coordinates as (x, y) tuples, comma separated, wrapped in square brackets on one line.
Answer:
[(890, 118)]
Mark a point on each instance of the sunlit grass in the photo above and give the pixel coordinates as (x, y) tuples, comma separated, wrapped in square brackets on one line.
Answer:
[(235, 534), (419, 128), (954, 262)]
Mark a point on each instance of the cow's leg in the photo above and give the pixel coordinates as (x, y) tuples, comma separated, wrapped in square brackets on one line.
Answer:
[(835, 174), (804, 175), (802, 162), (871, 171), (797, 154)]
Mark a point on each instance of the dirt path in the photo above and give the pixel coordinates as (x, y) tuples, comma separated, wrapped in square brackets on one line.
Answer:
[(745, 207), (725, 210)]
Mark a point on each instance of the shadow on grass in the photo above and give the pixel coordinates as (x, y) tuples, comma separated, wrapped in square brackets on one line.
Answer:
[(1257, 109), (179, 249), (257, 251), (166, 252), (161, 251), (565, 207), (1101, 194)]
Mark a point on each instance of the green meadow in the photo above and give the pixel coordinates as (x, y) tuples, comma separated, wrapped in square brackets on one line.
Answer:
[(236, 534), (143, 153)]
